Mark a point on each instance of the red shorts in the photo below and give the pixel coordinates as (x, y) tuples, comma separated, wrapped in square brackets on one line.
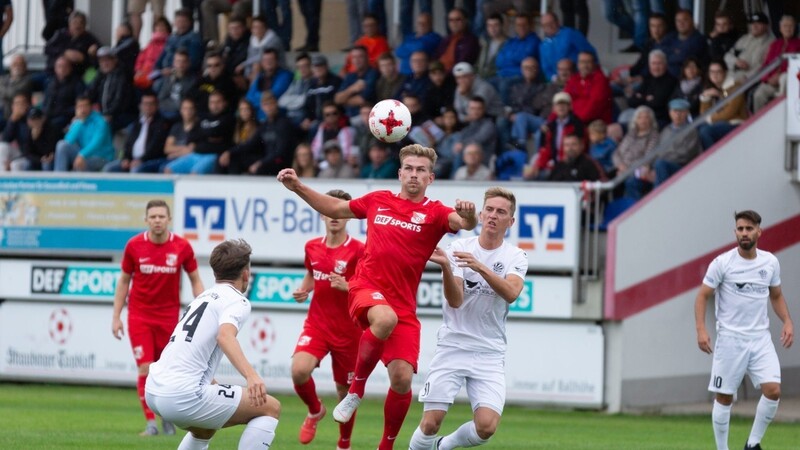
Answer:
[(343, 353), (403, 343), (148, 340)]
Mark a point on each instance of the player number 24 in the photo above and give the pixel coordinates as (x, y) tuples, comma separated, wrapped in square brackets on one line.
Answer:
[(190, 322)]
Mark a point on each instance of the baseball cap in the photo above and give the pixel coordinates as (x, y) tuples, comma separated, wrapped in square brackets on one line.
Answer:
[(436, 66), (35, 113), (758, 17), (105, 51), (330, 145), (462, 68), (319, 60), (562, 97), (679, 104)]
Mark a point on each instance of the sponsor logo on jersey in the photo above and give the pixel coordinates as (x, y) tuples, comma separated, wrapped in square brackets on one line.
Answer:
[(152, 269), (541, 228), (748, 288), (172, 259), (204, 219), (340, 266), (320, 275), (74, 280), (418, 217), (381, 219)]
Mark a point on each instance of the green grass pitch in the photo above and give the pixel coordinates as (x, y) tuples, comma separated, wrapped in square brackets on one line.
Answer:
[(38, 416)]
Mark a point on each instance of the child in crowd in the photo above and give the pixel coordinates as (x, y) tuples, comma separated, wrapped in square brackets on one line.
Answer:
[(601, 146)]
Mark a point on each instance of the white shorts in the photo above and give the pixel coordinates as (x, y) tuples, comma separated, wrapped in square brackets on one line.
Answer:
[(483, 373), (209, 409), (734, 356)]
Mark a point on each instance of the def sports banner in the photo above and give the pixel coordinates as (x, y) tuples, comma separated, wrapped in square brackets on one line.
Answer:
[(277, 223)]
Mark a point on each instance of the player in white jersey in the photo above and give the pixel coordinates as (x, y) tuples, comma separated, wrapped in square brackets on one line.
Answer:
[(181, 386), (743, 279), (481, 276)]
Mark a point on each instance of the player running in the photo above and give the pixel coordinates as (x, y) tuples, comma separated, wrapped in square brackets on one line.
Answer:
[(482, 276), (403, 230), (153, 261), (330, 261)]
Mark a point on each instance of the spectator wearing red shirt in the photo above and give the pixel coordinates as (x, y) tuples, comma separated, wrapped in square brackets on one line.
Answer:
[(150, 281), (460, 45), (590, 91), (562, 122), (773, 84)]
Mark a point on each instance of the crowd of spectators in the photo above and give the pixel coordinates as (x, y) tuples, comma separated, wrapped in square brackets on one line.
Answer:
[(497, 101)]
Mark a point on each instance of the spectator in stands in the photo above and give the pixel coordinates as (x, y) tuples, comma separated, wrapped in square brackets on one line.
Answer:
[(641, 139), (323, 88), (144, 143), (15, 131), (261, 39), (183, 37), (112, 92), (543, 102), (723, 36), (269, 9), (334, 127), (372, 41), (441, 93), (491, 44), (685, 42), (729, 116), (335, 164), (126, 49), (362, 136), (602, 146), (576, 15), (469, 86), (358, 87), (390, 82), (210, 9), (60, 94), (214, 79), (407, 15), (562, 121), (460, 45), (143, 70), (773, 84), (16, 81), (269, 150), (474, 168), (576, 165), (74, 43), (87, 145), (522, 116), (135, 10), (425, 40), (181, 137), (246, 123), (293, 101), (747, 55), (659, 29), (234, 51), (271, 77), (355, 13), (381, 164), (682, 150), (478, 128), (559, 43), (511, 54), (444, 146), (590, 91), (214, 135), (418, 82), (690, 85), (520, 7), (179, 84), (38, 146), (303, 162), (656, 88)]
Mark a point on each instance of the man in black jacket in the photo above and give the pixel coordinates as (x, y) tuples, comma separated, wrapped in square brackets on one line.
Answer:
[(60, 94), (577, 165), (112, 91), (324, 86), (144, 145)]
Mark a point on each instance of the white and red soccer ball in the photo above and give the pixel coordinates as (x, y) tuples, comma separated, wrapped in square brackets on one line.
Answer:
[(389, 121)]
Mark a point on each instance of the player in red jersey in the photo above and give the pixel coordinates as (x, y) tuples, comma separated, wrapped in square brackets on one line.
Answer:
[(153, 260), (403, 230), (330, 261)]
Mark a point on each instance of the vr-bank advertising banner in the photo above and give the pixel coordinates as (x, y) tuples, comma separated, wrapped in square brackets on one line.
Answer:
[(86, 214), (277, 223)]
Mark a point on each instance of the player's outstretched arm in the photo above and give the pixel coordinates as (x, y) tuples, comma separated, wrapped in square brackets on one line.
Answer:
[(326, 205), (507, 288), (782, 311), (226, 339), (120, 294), (453, 286), (703, 340), (464, 217)]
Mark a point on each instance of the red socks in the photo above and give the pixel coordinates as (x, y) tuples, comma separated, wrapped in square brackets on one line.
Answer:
[(394, 413), (370, 350), (148, 414), (308, 394), (346, 431)]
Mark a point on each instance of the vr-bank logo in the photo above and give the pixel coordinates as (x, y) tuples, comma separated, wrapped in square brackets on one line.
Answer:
[(204, 219), (541, 228)]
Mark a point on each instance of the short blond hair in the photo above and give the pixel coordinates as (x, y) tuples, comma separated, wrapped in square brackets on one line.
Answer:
[(418, 150), (497, 191), (598, 126)]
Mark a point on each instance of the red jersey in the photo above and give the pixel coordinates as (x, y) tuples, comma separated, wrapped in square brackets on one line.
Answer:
[(401, 236), (328, 310), (155, 269)]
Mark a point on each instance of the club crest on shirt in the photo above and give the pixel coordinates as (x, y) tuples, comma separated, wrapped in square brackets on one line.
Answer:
[(340, 266), (763, 274), (172, 258), (498, 268), (377, 296), (418, 218)]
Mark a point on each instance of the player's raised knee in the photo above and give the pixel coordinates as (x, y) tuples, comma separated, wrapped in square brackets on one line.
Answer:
[(382, 320)]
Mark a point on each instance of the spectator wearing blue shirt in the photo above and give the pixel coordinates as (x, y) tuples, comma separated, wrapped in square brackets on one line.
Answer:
[(182, 37), (87, 145), (683, 43), (272, 77), (559, 43), (418, 82), (510, 56), (358, 87), (425, 40), (601, 146)]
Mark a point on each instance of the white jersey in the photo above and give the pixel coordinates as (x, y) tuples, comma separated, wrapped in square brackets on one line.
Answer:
[(191, 358), (479, 324), (742, 290)]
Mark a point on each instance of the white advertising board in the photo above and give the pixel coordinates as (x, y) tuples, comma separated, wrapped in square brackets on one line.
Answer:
[(793, 97), (49, 341), (277, 223)]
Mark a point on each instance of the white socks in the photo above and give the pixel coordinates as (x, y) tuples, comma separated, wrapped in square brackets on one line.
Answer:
[(765, 412), (421, 441), (465, 436), (721, 419), (190, 442), (258, 434)]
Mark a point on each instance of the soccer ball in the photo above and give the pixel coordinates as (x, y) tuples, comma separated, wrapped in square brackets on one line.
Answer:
[(389, 121)]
